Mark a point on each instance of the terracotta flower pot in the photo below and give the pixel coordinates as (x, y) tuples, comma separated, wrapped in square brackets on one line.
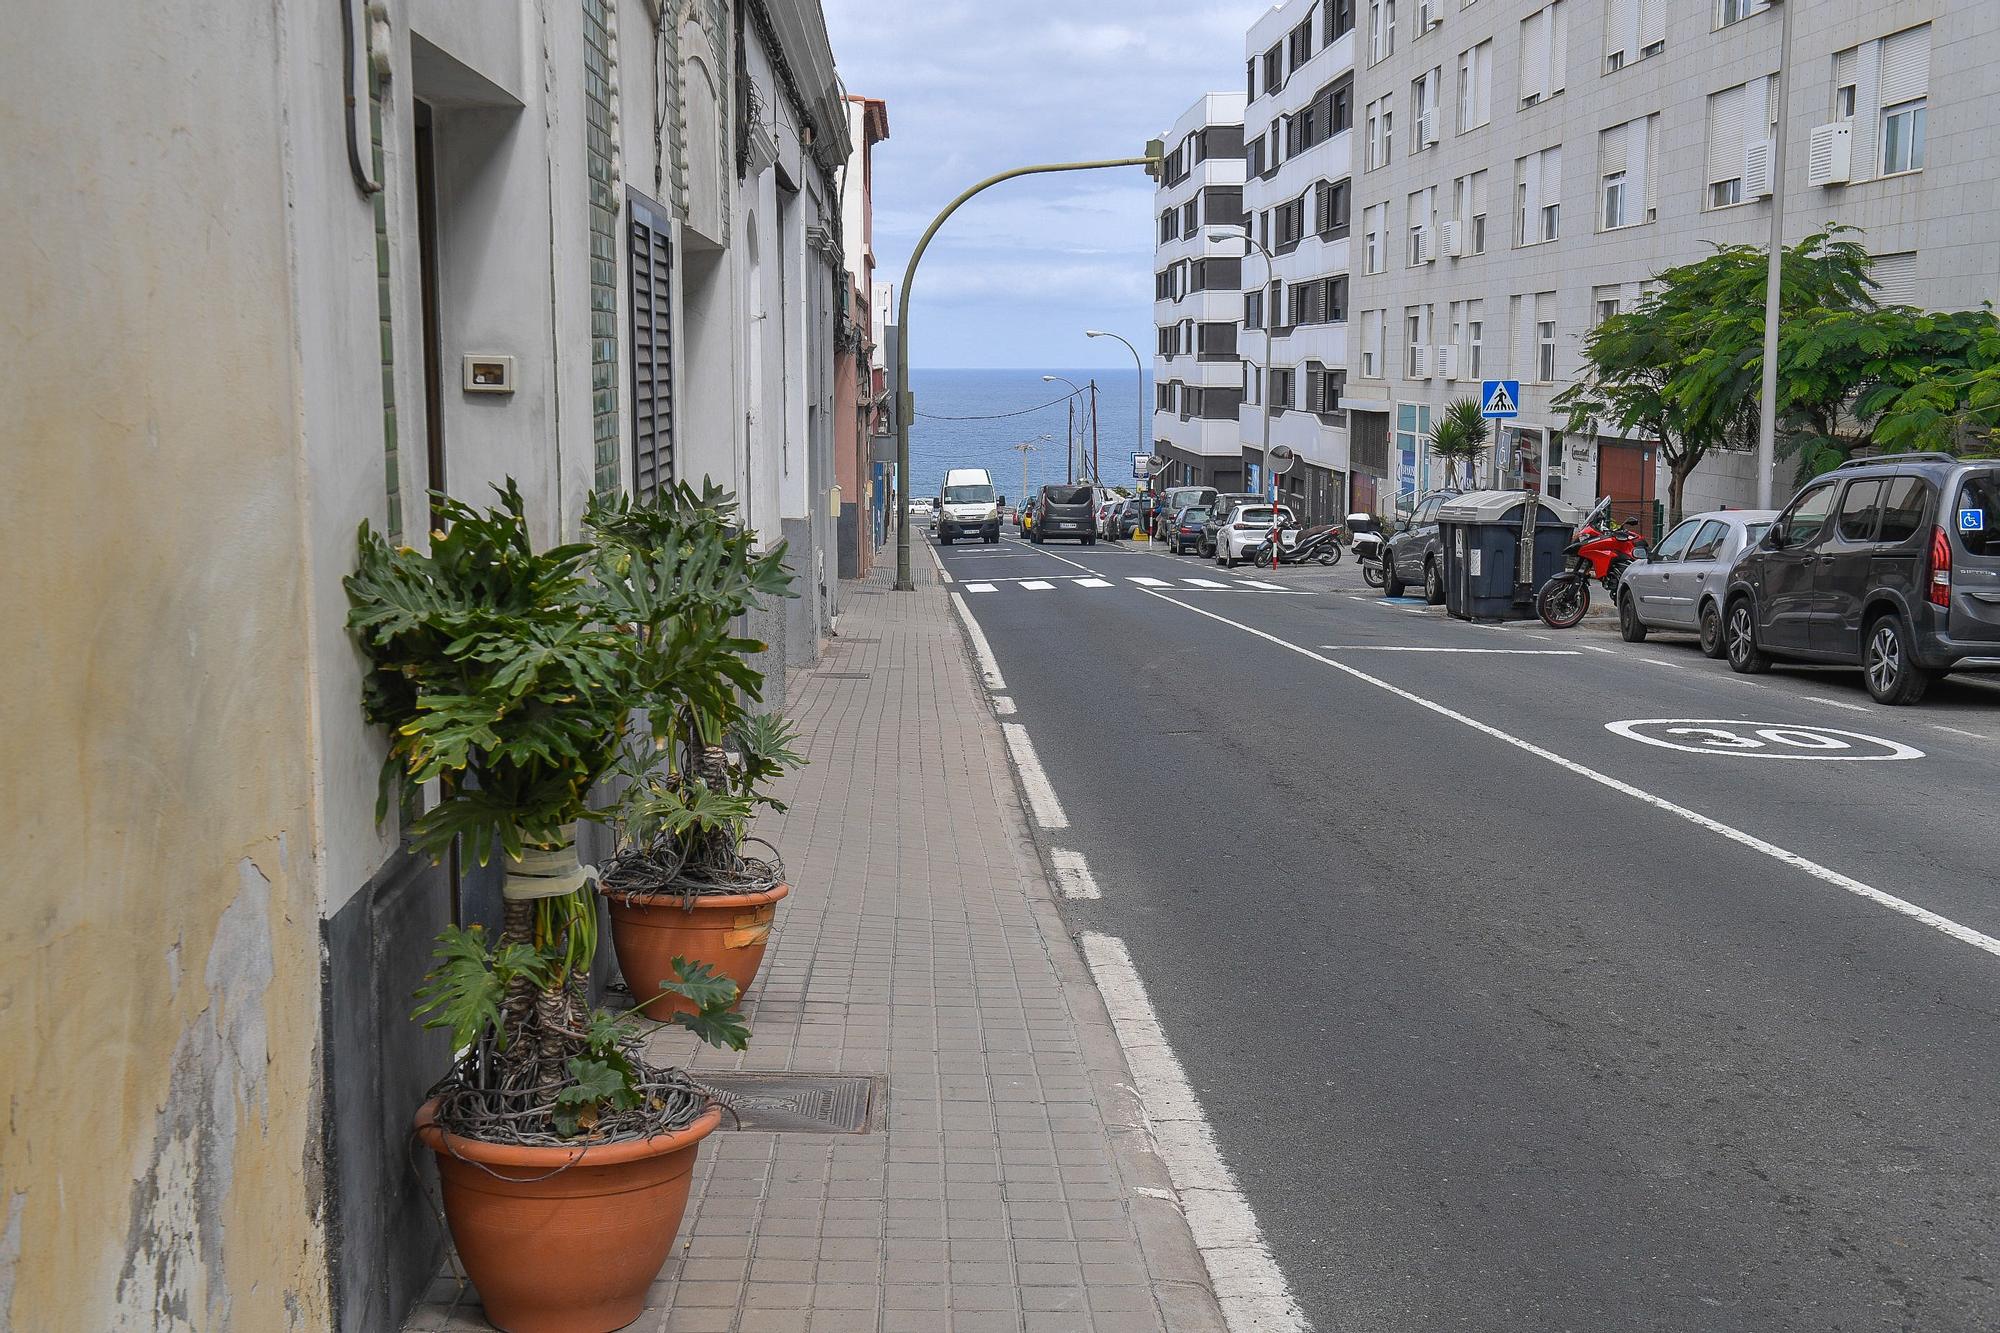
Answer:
[(568, 1252), (727, 931)]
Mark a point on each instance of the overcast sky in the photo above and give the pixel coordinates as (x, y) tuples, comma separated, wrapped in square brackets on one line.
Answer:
[(976, 88)]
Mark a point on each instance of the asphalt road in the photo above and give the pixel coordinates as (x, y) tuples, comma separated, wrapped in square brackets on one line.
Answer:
[(1509, 1021)]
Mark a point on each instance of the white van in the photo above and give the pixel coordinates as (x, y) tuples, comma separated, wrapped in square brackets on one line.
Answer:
[(968, 505)]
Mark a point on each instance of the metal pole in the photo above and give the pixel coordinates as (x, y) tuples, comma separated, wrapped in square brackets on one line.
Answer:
[(1073, 392), (1096, 467), (905, 406), (1139, 367), (1767, 403), (1270, 318)]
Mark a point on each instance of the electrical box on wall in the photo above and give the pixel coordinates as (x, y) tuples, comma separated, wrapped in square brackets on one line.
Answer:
[(488, 374)]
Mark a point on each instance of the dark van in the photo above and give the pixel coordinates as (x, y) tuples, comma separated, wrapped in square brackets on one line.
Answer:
[(1066, 511), (1891, 564)]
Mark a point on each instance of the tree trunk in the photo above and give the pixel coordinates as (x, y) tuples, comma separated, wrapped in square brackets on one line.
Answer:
[(1677, 475)]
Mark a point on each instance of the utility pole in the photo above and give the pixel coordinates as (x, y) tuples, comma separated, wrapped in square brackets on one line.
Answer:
[(1096, 470), (1024, 448), (1075, 435), (1153, 160), (1767, 403)]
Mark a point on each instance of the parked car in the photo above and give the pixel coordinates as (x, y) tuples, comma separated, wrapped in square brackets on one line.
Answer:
[(1122, 520), (1245, 530), (1066, 511), (1187, 529), (1172, 501), (1891, 564), (1218, 514), (1678, 584), (1415, 553), (968, 506)]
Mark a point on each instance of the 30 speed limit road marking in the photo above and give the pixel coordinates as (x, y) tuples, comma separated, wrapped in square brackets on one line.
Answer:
[(1761, 740)]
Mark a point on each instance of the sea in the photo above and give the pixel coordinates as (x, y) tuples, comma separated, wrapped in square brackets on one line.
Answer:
[(974, 418)]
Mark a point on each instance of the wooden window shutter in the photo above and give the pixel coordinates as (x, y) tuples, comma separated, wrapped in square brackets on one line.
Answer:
[(652, 343)]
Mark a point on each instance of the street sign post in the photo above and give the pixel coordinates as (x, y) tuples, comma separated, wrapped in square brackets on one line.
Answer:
[(1499, 399), (1142, 466)]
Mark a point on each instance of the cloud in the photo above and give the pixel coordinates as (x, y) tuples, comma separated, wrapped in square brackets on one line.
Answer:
[(975, 89)]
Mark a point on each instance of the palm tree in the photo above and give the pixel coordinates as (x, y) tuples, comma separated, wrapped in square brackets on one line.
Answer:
[(1460, 435)]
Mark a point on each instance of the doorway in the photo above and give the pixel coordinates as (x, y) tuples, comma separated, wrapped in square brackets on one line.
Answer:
[(1627, 474)]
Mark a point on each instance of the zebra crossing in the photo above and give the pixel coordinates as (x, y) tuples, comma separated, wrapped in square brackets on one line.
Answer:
[(1050, 583)]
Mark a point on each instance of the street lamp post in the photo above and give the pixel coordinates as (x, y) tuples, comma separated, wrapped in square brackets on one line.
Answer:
[(1767, 405), (1069, 458), (1264, 394), (1153, 160), (1024, 448), (1140, 366)]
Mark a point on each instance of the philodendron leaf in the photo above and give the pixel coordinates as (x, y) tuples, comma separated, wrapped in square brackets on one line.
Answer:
[(598, 1085), (462, 991), (717, 1027), (698, 982)]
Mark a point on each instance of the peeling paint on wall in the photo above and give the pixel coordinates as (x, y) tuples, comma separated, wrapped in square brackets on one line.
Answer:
[(10, 1251)]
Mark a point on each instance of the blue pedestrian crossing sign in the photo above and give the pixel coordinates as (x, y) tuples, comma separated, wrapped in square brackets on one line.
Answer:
[(1499, 398)]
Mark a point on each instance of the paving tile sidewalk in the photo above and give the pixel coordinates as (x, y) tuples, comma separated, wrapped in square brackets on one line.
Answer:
[(1009, 1182)]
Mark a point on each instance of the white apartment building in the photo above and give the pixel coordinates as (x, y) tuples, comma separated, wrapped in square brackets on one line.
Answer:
[(1197, 296), (1299, 125), (1530, 165)]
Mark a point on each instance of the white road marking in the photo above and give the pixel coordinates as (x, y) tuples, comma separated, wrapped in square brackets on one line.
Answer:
[(1003, 705), (1064, 559), (1600, 648), (979, 587), (1205, 583), (1093, 583), (1146, 582), (1484, 652), (1267, 587), (1073, 876), (1944, 925), (1974, 735), (1836, 703), (1037, 585), (1654, 661), (1760, 740), (1249, 1286), (1041, 794), (988, 667)]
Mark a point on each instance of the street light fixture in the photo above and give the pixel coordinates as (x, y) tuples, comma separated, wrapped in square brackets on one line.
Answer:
[(1264, 390), (1139, 366), (1024, 448)]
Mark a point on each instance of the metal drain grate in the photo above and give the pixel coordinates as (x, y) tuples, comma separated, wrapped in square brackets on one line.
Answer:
[(841, 675), (795, 1103)]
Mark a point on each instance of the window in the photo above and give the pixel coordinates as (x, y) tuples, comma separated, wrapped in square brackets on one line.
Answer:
[(1902, 510), (1373, 219), (1903, 138), (1423, 110), (1415, 321), (1544, 52), (1604, 303), (1551, 221), (1421, 207), (1737, 118), (1981, 492), (1379, 130), (1674, 546), (1475, 342), (1475, 86), (1274, 69), (1735, 11), (1371, 344), (1895, 278), (1290, 221), (1708, 543), (1299, 45), (1339, 20), (1721, 194), (1381, 30), (1538, 197), (1253, 309), (1473, 213), (1801, 523), (1330, 209), (1545, 351), (1281, 388), (1189, 218), (1250, 81), (1843, 102), (1614, 200), (1856, 520)]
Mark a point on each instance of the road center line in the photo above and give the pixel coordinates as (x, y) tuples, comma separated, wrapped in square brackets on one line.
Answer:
[(1484, 652), (1034, 779), (1945, 925), (1249, 1285), (988, 666)]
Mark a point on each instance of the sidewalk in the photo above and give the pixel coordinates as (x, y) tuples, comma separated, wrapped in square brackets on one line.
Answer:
[(1007, 1181)]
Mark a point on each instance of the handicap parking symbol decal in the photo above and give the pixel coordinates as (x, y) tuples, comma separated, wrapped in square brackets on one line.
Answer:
[(1761, 740)]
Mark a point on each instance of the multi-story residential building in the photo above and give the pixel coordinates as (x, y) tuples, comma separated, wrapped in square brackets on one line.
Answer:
[(1531, 166), (1197, 384), (332, 267), (1299, 124), (858, 414)]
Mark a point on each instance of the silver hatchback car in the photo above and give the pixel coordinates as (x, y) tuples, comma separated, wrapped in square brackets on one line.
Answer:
[(1678, 585)]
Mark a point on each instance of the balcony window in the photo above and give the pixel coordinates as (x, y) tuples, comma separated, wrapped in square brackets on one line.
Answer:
[(1903, 138)]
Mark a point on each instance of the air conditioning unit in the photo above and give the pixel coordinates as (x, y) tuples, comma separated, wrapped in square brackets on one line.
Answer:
[(1427, 126), (1757, 169), (1447, 360), (1429, 15), (1830, 157), (1419, 361), (1454, 242)]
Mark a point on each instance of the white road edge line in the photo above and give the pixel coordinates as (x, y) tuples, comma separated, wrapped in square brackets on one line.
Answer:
[(1943, 924), (1073, 875), (1041, 793), (1003, 705), (1483, 652), (1835, 703), (1977, 736), (1249, 1286), (988, 667)]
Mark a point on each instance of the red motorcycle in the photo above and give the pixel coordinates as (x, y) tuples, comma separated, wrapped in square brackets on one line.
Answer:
[(1603, 550)]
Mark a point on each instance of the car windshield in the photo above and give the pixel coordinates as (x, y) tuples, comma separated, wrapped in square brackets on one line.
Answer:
[(968, 495), (1066, 495)]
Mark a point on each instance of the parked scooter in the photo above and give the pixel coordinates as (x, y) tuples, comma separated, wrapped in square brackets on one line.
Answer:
[(1321, 544), (1602, 551), (1365, 536)]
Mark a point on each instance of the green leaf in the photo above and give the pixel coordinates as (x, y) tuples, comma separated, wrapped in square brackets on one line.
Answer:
[(699, 983), (723, 1029), (596, 1086), (462, 991)]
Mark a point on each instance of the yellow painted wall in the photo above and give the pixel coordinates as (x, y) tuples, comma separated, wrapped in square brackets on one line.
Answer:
[(158, 950)]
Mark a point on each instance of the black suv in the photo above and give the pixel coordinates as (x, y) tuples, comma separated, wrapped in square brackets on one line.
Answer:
[(1066, 511), (1891, 564)]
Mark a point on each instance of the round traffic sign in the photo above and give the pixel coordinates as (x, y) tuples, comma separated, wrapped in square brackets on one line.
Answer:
[(1761, 740)]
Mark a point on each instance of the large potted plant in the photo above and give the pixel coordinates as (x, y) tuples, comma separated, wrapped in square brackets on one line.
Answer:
[(684, 884), (506, 675)]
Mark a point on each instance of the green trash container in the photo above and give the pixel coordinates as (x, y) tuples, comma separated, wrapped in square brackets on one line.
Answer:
[(1480, 532)]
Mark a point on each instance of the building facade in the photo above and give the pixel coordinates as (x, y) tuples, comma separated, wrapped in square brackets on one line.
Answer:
[(858, 393), (1531, 166), (1197, 302), (1298, 197), (337, 259)]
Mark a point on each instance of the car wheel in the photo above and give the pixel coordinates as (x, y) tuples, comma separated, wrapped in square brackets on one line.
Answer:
[(1392, 583), (1630, 627), (1433, 583), (944, 540), (1711, 630), (1890, 666), (1740, 634)]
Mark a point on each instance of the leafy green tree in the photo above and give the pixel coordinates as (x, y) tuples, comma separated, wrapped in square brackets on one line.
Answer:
[(1460, 435)]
